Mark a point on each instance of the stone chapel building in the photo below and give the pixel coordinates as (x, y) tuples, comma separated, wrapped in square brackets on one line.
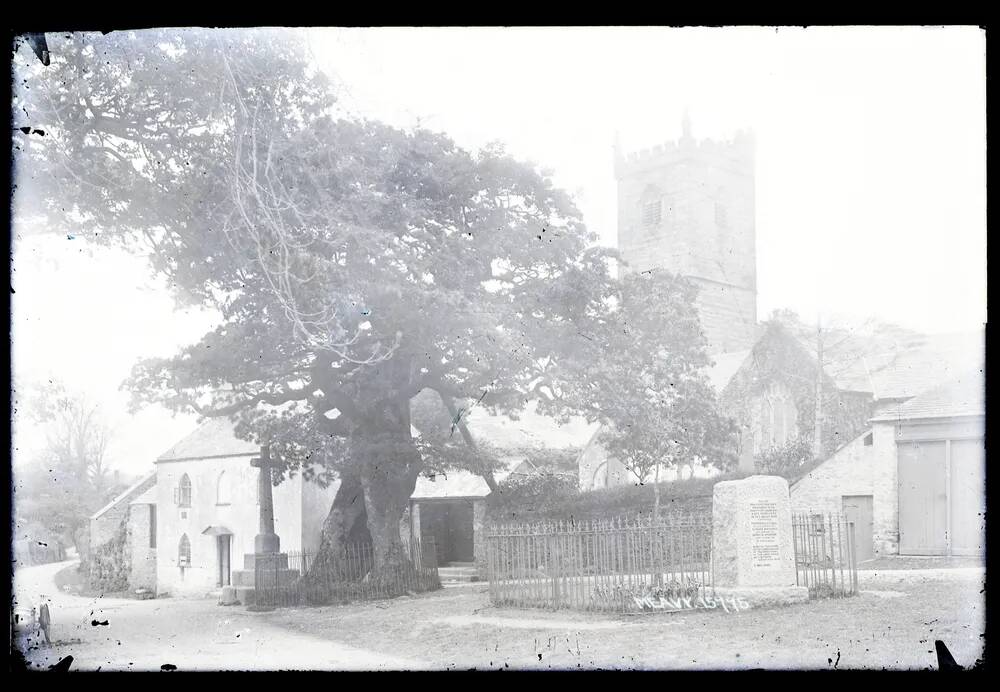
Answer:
[(192, 519)]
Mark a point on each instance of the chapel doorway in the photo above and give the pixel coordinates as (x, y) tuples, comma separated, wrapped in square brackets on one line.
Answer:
[(450, 523), (225, 568)]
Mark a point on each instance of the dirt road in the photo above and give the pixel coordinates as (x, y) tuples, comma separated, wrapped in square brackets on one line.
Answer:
[(124, 634)]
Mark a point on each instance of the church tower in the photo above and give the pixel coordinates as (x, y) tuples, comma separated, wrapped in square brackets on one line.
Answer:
[(688, 207)]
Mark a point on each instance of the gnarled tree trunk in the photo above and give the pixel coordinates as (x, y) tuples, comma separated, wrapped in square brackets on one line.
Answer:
[(389, 463), (347, 509)]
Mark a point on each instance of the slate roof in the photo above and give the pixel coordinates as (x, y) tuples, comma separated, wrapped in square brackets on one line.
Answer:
[(530, 430), (147, 498), (213, 438), (457, 484), (134, 490), (454, 484), (940, 359), (964, 396)]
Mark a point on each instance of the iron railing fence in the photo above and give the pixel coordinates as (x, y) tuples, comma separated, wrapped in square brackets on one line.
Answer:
[(350, 577), (621, 564), (826, 559)]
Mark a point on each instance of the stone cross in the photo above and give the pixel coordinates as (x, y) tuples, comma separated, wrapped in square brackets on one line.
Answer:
[(266, 541)]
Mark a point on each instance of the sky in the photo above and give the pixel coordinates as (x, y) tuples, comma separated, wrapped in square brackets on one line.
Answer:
[(870, 180)]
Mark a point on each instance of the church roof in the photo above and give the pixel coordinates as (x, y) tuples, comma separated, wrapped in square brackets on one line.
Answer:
[(213, 438), (726, 365), (457, 484), (894, 363), (453, 484), (530, 430), (939, 359), (963, 396)]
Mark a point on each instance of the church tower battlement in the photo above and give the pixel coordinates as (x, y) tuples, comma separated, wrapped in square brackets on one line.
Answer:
[(688, 207)]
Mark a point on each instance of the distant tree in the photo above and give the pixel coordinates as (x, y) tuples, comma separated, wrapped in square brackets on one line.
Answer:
[(68, 480), (651, 389)]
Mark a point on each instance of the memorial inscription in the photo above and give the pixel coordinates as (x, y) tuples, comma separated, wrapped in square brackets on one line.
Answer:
[(765, 548)]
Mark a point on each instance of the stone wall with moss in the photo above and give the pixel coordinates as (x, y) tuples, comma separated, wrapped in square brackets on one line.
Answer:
[(110, 563)]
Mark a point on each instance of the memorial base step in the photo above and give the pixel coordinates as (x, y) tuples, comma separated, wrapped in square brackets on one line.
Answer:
[(281, 577), (236, 595), (748, 597)]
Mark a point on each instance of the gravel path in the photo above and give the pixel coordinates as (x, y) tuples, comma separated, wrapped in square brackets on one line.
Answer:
[(188, 634)]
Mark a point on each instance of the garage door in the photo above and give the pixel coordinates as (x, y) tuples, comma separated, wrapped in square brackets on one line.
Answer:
[(923, 499), (968, 497)]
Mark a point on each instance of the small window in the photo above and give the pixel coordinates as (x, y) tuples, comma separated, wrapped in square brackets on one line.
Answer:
[(182, 494), (184, 552), (222, 494), (652, 213), (152, 526), (868, 440)]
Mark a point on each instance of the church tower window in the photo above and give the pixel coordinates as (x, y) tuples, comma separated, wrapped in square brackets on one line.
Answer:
[(652, 207)]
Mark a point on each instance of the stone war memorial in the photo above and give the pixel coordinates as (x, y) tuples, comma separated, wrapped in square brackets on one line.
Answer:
[(267, 567), (753, 554)]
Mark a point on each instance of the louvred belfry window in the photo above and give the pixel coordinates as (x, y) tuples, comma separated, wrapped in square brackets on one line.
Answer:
[(651, 206)]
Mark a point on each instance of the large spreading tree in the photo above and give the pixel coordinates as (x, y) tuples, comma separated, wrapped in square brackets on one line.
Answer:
[(354, 264)]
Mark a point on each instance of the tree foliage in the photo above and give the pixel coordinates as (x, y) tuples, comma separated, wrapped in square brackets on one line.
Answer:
[(652, 390), (353, 264)]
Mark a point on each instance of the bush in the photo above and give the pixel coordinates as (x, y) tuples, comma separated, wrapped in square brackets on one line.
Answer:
[(519, 495), (786, 459), (548, 499)]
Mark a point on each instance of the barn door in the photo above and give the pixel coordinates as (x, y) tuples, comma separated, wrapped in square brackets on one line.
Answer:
[(923, 498), (858, 509), (968, 497)]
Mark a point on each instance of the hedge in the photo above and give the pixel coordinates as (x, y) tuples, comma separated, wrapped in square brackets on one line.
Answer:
[(555, 498), (552, 498)]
